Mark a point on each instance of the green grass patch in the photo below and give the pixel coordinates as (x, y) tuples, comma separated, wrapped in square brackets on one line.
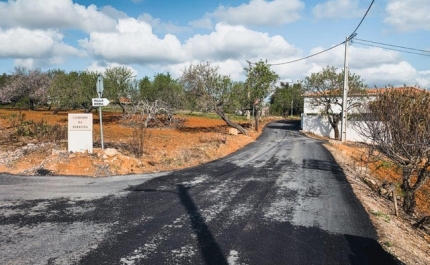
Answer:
[(384, 216)]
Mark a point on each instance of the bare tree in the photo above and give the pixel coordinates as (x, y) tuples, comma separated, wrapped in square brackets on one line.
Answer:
[(140, 115), (204, 84), (397, 124), (26, 84)]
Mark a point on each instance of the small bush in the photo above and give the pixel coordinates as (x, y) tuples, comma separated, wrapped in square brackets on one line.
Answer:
[(39, 130)]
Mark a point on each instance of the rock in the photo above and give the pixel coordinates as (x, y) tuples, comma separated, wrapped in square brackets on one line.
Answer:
[(384, 192), (371, 183), (110, 152), (58, 152), (233, 131)]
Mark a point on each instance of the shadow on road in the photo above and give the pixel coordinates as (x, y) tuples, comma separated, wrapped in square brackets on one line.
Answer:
[(289, 125), (209, 248)]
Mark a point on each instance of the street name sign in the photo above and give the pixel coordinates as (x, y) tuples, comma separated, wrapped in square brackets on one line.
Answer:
[(100, 102)]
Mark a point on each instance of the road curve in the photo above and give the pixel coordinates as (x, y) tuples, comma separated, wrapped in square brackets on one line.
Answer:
[(280, 200)]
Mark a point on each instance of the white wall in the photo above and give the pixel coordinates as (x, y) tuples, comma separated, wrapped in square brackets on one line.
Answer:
[(309, 108), (319, 125)]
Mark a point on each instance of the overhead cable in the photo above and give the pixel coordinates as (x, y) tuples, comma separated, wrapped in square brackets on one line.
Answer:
[(309, 56), (353, 34), (372, 45), (359, 24), (396, 46)]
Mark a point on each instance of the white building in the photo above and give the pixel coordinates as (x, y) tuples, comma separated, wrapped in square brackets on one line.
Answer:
[(312, 120)]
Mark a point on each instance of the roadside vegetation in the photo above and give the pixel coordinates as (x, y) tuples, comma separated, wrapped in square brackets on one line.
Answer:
[(397, 123)]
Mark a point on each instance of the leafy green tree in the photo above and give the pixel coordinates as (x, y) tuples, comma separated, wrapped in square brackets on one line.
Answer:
[(205, 86), (72, 90), (260, 81), (4, 79), (325, 90), (117, 84), (235, 97), (87, 90), (167, 89), (64, 90), (145, 89), (285, 98)]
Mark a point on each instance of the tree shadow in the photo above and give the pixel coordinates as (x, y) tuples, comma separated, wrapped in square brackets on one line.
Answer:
[(317, 125), (210, 250), (288, 125)]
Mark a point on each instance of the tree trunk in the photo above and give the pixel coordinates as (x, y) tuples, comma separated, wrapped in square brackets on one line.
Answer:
[(409, 202), (31, 104), (122, 107), (422, 222), (56, 110), (334, 122), (230, 123), (336, 133), (90, 109), (256, 119)]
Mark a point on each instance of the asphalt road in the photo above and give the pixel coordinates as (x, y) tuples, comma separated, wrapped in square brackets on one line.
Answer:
[(279, 200)]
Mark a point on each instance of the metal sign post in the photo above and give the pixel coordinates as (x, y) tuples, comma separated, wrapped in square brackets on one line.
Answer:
[(99, 87)]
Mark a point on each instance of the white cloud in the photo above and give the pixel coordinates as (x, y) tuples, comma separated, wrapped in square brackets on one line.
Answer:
[(231, 68), (338, 9), (374, 65), (366, 57), (204, 23), (158, 25), (423, 79), (408, 15), (133, 42), (23, 43), (27, 63), (101, 66), (237, 42), (113, 12), (47, 14), (260, 13), (395, 74)]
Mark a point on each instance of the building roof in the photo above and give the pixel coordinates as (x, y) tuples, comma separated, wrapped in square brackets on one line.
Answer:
[(368, 91)]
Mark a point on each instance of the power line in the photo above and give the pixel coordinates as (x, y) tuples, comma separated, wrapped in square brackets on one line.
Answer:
[(372, 45), (309, 56), (396, 46), (359, 24), (353, 34)]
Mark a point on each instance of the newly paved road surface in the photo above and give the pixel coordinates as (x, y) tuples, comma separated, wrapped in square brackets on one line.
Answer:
[(280, 200)]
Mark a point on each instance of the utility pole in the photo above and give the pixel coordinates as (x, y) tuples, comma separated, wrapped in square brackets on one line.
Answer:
[(345, 94)]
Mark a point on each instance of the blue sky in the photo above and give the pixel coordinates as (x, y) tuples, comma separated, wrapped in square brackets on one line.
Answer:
[(158, 36)]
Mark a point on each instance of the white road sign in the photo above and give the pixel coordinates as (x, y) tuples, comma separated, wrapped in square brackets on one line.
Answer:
[(100, 102)]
